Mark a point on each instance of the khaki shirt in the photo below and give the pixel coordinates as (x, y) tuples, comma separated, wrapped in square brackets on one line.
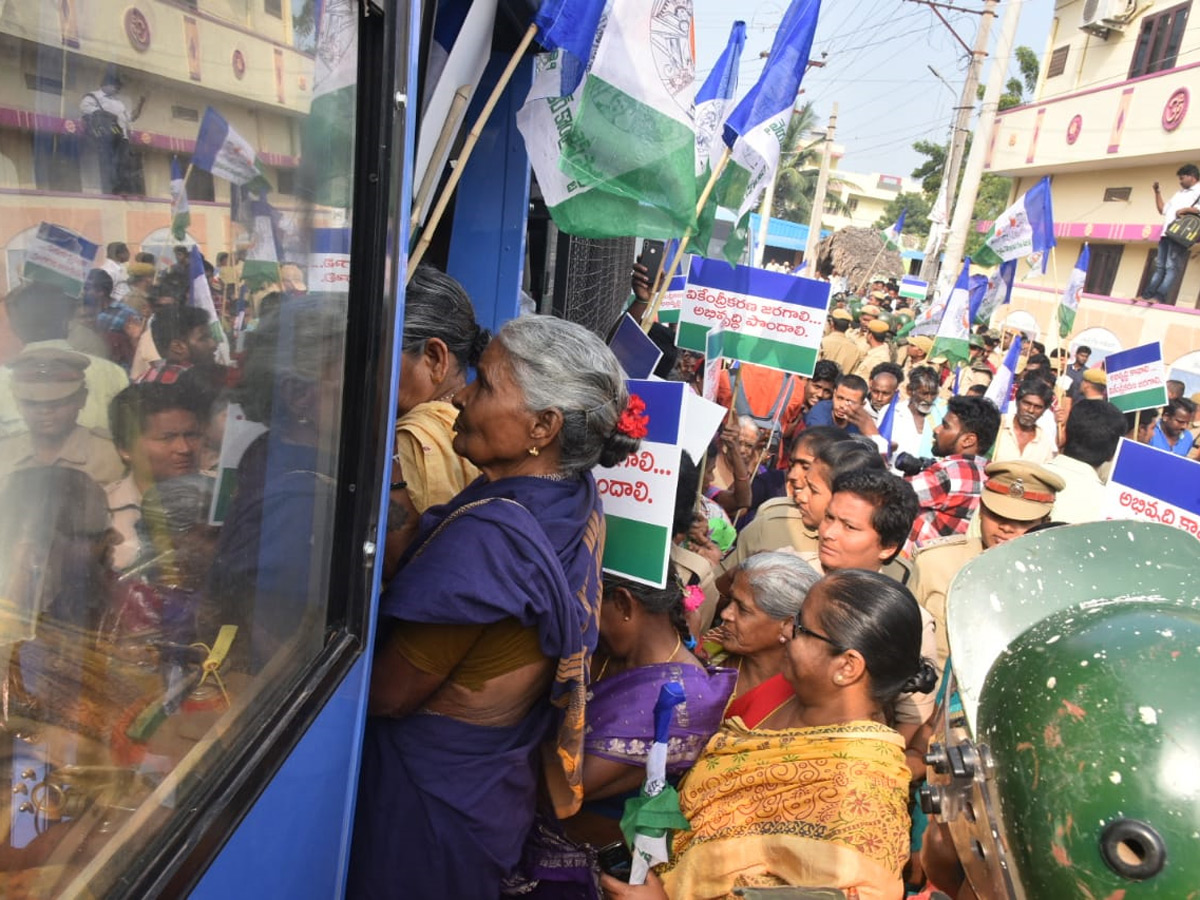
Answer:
[(1042, 448), (104, 380), (776, 526), (86, 450), (936, 564), (689, 564), (876, 355), (839, 348)]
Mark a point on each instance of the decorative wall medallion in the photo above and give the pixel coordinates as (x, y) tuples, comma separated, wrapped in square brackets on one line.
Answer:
[(1073, 128), (137, 29), (239, 65), (1175, 110)]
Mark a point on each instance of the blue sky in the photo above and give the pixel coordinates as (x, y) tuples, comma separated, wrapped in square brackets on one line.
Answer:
[(876, 69)]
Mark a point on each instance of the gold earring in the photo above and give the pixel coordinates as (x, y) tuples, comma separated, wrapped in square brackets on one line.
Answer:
[(534, 451), (837, 678)]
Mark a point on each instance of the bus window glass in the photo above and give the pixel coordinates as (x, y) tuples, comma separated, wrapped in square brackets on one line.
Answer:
[(175, 219)]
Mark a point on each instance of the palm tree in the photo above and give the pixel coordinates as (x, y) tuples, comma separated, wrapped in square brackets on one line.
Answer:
[(799, 167)]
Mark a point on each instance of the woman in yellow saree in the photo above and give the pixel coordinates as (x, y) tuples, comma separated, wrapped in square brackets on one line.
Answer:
[(817, 794)]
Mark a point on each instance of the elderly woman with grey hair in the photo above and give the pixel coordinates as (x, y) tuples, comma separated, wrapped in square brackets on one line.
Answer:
[(756, 625), (487, 631)]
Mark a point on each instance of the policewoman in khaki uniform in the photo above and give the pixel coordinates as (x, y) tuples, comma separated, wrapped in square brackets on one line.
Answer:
[(1016, 496)]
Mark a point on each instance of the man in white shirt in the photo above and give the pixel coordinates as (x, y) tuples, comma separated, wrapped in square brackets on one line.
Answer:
[(1022, 436), (1093, 429), (1168, 265), (117, 255), (106, 123)]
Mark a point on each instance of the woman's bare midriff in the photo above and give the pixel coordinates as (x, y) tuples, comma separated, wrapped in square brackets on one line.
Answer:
[(502, 701)]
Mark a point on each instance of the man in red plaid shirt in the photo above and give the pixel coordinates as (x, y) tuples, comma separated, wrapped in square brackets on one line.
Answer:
[(949, 490)]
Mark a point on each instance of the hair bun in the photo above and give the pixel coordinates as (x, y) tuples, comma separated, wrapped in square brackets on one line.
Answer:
[(923, 682), (479, 343)]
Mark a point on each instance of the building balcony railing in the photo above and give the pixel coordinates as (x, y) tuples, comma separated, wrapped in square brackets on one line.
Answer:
[(1125, 123)]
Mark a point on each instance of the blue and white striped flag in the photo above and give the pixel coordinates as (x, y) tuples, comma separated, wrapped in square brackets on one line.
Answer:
[(714, 97), (757, 126), (1000, 390)]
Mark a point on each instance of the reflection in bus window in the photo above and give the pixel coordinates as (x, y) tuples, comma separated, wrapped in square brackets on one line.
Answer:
[(176, 221)]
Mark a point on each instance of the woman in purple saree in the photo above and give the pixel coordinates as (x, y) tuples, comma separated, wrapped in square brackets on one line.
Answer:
[(642, 635), (486, 633)]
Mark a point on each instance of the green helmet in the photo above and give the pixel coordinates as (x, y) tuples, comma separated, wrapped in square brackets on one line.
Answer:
[(1082, 688)]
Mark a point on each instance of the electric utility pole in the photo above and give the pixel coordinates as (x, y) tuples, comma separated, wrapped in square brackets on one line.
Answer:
[(964, 209), (962, 119), (818, 204)]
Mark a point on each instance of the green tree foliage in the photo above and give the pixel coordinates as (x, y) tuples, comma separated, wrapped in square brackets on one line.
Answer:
[(992, 198), (799, 168), (917, 220)]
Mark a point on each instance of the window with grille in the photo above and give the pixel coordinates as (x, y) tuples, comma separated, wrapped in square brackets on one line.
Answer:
[(1058, 61), (1158, 42)]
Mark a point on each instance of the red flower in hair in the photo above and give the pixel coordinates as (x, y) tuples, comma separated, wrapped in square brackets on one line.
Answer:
[(633, 420), (693, 598)]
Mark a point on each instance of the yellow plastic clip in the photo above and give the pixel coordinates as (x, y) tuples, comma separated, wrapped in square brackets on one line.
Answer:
[(216, 656)]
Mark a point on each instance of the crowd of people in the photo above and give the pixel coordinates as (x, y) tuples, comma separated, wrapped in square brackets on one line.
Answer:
[(805, 616), (513, 683), (145, 541)]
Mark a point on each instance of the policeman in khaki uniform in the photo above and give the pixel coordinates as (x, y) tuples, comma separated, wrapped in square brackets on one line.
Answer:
[(866, 315), (48, 385), (1017, 495), (879, 349), (838, 346)]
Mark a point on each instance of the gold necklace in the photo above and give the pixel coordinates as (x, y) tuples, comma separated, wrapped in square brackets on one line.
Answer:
[(671, 658), (678, 644)]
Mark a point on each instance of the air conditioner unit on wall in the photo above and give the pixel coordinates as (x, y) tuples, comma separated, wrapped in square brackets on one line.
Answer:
[(1103, 16)]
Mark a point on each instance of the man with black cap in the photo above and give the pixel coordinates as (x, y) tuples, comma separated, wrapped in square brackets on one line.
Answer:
[(1017, 496), (48, 385)]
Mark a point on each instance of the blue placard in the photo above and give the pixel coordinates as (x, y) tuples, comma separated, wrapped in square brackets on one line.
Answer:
[(637, 354)]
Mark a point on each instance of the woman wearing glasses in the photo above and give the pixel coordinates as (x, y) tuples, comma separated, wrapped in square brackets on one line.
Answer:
[(818, 799)]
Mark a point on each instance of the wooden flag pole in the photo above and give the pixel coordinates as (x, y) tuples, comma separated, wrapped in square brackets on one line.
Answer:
[(473, 136), (862, 284), (1055, 323), (652, 312), (458, 107)]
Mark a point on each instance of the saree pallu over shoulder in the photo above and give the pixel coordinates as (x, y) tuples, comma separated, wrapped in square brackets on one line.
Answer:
[(816, 807), (487, 555), (620, 713)]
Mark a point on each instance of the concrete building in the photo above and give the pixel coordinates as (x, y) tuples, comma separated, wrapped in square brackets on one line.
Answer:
[(865, 196), (1111, 115), (240, 55)]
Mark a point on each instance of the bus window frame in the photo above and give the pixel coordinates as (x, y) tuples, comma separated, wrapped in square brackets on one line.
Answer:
[(174, 861)]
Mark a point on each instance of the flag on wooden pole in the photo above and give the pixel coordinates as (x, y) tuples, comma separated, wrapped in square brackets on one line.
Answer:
[(953, 339), (1025, 228), (181, 218), (1069, 304), (756, 128)]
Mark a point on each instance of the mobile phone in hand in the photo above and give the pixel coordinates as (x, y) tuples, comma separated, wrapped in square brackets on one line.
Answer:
[(652, 257), (615, 860)]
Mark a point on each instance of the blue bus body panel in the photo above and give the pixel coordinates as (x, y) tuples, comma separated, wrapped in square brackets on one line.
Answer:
[(295, 841), (487, 245)]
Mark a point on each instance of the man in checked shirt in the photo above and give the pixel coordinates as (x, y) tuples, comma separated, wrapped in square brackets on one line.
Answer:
[(948, 491)]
